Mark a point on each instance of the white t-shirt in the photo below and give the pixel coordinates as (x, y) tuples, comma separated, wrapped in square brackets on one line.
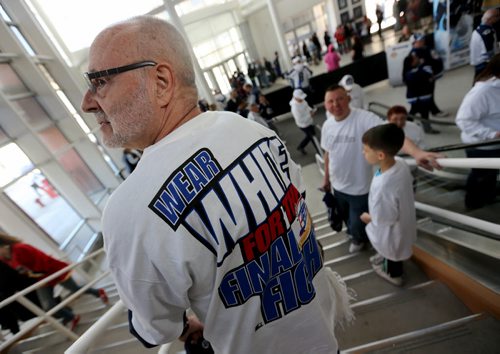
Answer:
[(415, 133), (301, 113), (478, 53), (393, 229), (218, 225), (478, 116), (348, 169)]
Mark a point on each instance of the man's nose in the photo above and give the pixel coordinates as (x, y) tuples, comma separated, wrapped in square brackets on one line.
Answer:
[(89, 104)]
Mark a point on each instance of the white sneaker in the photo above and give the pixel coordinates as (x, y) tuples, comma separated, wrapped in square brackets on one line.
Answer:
[(379, 269), (376, 259), (356, 247)]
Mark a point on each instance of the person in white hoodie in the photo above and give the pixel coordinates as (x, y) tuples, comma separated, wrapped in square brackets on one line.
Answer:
[(302, 114), (478, 118), (354, 90)]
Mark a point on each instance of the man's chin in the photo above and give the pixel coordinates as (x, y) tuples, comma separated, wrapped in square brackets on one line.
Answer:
[(111, 142)]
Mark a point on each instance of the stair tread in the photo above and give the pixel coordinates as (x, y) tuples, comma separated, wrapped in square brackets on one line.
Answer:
[(407, 312), (480, 336), (372, 285)]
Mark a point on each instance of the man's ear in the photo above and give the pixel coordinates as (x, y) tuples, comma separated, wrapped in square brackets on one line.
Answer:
[(165, 83)]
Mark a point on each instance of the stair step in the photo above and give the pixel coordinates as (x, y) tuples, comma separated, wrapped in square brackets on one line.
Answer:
[(412, 340), (402, 311), (476, 336), (369, 284), (348, 263), (87, 301), (34, 343), (128, 346)]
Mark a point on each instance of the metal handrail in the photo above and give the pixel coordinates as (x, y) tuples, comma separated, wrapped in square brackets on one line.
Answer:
[(84, 343), (47, 316), (89, 337), (458, 218), (51, 277), (465, 146), (411, 116), (483, 162)]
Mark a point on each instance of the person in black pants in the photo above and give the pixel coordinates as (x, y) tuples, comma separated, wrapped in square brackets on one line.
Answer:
[(419, 82)]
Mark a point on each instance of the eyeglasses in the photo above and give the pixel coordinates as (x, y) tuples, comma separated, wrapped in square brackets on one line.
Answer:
[(92, 78)]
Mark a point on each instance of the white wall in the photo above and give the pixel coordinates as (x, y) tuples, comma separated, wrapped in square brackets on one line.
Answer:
[(261, 27), (264, 36), (291, 8)]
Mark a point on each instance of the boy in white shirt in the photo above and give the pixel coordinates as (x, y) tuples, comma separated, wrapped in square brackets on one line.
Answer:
[(391, 223)]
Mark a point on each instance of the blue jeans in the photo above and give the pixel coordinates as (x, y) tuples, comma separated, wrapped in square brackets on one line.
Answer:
[(351, 207)]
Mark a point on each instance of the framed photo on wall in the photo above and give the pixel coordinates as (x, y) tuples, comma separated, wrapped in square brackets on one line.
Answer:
[(342, 4), (344, 17), (357, 12)]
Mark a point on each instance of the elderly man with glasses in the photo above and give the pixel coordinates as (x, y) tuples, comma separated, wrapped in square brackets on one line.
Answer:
[(213, 218)]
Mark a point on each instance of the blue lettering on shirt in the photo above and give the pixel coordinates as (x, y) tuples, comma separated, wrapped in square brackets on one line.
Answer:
[(248, 207)]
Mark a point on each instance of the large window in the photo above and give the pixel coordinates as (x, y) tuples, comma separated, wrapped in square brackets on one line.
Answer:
[(219, 48), (32, 192)]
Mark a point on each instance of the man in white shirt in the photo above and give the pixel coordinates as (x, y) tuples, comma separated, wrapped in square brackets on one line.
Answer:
[(478, 118), (346, 171), (483, 42), (213, 219)]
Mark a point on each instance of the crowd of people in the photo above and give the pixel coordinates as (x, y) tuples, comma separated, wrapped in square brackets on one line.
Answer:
[(199, 243)]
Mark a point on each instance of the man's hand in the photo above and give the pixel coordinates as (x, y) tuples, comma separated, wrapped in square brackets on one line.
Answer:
[(428, 159), (326, 187), (194, 329), (366, 218)]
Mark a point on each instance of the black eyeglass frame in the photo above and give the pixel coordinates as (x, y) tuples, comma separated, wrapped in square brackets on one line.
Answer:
[(89, 76)]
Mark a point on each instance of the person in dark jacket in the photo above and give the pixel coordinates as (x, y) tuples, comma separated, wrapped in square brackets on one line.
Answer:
[(12, 282), (418, 78)]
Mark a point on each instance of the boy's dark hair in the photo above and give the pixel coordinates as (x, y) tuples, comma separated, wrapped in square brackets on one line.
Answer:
[(396, 110), (388, 138)]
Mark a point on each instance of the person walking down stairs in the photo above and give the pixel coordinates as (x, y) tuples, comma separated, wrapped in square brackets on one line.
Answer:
[(36, 264)]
